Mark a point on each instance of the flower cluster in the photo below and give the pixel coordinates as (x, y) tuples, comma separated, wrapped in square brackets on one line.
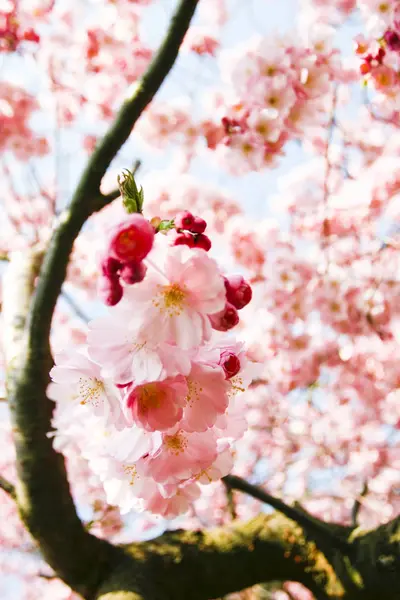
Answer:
[(289, 86), (12, 31), (190, 231), (16, 136), (380, 55), (130, 242), (155, 385)]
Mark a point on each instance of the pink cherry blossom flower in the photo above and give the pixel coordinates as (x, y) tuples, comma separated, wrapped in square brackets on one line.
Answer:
[(207, 397), (168, 503), (157, 405), (130, 444), (183, 286), (232, 425), (76, 379), (222, 466), (128, 354), (123, 485), (182, 455)]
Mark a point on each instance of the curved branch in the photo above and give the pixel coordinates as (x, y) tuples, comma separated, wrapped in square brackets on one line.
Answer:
[(309, 523), (212, 563), (43, 494)]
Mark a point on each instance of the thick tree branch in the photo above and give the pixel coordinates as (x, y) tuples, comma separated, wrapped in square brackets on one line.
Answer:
[(43, 495), (42, 491), (310, 524), (7, 487), (212, 563)]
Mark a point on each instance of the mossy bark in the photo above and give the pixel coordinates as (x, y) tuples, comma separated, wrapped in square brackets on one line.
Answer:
[(200, 565)]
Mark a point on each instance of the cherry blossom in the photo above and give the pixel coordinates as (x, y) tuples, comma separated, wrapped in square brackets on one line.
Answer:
[(78, 380), (156, 405)]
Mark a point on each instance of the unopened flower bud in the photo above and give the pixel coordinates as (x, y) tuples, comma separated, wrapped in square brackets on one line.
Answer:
[(198, 226), (238, 291), (202, 241), (155, 221), (110, 266), (183, 238), (230, 364), (110, 291), (225, 319), (132, 239), (133, 272), (184, 220), (392, 40)]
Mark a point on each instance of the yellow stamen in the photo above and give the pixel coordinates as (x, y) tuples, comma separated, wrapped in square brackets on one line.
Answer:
[(151, 396), (131, 471), (176, 443), (237, 385), (194, 391), (171, 299), (90, 390)]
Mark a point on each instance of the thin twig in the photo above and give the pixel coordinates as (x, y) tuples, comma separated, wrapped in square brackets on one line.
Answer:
[(308, 522), (231, 504), (357, 504), (48, 577), (75, 307), (8, 487)]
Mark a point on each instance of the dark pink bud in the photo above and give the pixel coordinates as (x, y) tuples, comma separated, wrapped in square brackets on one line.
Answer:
[(110, 291), (110, 266), (238, 291), (198, 226), (202, 241), (133, 272), (183, 238), (230, 364), (183, 220), (30, 35), (380, 55), (392, 40), (132, 239), (225, 319)]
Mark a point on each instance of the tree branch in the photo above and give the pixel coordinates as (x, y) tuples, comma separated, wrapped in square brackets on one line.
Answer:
[(8, 487), (213, 563), (310, 524), (357, 504), (43, 494), (230, 498)]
